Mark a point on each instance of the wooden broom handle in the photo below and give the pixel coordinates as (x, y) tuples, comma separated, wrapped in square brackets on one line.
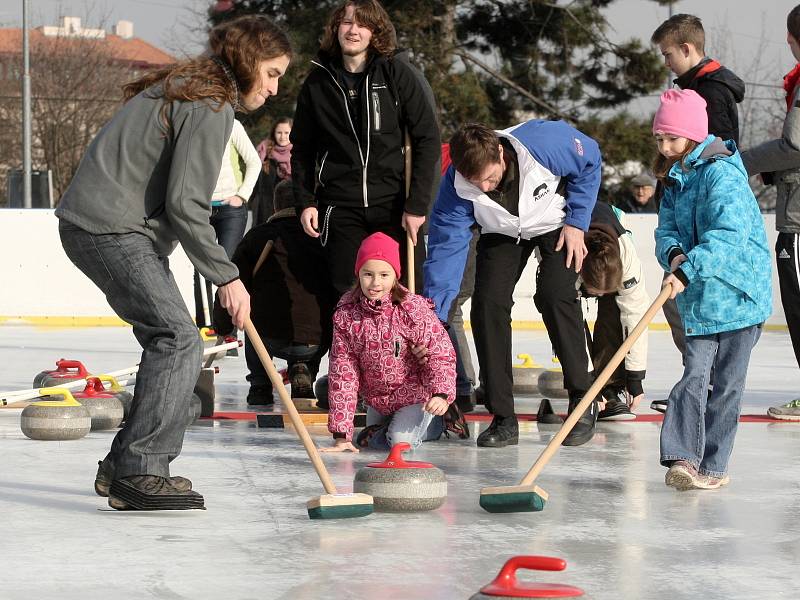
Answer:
[(597, 386), (263, 257), (409, 244), (294, 416)]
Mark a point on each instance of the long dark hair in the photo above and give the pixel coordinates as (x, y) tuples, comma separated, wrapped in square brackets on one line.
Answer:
[(602, 267), (239, 44), (662, 164)]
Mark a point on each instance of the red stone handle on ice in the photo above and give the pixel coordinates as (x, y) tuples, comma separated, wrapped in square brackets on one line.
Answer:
[(505, 585), (65, 364)]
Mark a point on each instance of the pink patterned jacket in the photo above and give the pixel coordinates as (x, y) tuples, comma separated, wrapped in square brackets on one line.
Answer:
[(371, 355)]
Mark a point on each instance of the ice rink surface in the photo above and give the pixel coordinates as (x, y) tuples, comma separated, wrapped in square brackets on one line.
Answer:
[(623, 533)]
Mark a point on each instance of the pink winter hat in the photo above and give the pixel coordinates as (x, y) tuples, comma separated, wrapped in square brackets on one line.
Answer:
[(682, 113), (379, 246)]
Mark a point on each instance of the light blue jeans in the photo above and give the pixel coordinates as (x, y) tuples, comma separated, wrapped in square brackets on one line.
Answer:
[(700, 426), (409, 424)]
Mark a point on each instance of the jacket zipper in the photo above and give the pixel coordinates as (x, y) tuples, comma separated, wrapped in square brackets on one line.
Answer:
[(376, 110), (353, 129), (369, 135), (322, 166)]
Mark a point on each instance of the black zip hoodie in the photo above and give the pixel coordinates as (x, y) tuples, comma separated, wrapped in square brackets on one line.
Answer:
[(339, 160), (722, 90)]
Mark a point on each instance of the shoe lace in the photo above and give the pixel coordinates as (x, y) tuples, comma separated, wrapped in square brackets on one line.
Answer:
[(793, 404)]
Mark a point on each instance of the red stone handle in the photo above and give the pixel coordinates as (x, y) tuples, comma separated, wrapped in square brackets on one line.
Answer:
[(395, 457), (65, 364), (506, 585)]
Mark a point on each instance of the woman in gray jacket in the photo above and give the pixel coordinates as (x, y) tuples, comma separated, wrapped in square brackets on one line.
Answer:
[(144, 184)]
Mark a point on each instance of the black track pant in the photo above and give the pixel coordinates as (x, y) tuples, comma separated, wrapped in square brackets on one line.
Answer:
[(500, 262), (607, 338), (344, 228), (787, 256)]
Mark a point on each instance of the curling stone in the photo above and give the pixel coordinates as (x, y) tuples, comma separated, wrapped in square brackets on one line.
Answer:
[(397, 485), (65, 371), (123, 395), (551, 382), (526, 375), (105, 409), (506, 584), (55, 419), (205, 390)]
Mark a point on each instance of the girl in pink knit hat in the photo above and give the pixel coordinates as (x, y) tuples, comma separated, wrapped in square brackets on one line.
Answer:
[(711, 240), (374, 328)]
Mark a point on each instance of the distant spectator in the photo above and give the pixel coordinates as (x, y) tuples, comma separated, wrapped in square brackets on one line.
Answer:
[(276, 155), (642, 197)]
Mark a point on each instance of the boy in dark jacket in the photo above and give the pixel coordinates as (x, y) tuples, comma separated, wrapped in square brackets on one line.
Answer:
[(347, 154), (681, 40), (292, 300)]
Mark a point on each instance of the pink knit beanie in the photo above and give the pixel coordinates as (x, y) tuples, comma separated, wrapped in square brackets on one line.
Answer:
[(682, 113), (379, 246)]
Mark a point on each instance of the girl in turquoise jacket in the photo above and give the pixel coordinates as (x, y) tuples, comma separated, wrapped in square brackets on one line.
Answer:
[(711, 239)]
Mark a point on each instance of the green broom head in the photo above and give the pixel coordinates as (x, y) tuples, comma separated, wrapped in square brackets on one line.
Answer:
[(340, 506), (512, 499)]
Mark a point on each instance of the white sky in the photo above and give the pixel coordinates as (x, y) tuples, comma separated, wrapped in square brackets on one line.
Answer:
[(748, 36)]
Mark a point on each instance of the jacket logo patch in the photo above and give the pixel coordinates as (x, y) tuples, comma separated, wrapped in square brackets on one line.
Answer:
[(629, 283), (578, 146), (379, 86), (539, 192)]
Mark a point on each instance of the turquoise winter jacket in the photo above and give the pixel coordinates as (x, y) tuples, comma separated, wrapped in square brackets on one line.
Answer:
[(709, 213)]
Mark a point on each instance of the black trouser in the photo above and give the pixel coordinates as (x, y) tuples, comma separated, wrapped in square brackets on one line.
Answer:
[(788, 278), (606, 340), (343, 229), (500, 262)]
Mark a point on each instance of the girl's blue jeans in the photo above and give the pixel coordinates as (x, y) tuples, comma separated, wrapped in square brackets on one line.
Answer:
[(409, 424), (700, 425)]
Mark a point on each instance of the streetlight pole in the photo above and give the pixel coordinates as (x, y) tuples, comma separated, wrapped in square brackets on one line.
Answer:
[(26, 109)]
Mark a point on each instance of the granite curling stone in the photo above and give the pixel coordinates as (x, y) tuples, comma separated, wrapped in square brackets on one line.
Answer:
[(397, 485), (526, 375), (506, 584), (551, 383), (55, 419), (123, 395), (65, 371), (105, 409)]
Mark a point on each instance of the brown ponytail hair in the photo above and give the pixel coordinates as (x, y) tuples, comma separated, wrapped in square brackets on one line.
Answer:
[(602, 267), (240, 44), (662, 164)]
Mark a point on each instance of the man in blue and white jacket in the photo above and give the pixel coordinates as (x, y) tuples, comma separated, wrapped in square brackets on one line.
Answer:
[(530, 186)]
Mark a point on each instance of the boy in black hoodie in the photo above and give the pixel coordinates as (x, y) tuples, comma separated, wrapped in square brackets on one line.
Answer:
[(682, 40), (292, 300)]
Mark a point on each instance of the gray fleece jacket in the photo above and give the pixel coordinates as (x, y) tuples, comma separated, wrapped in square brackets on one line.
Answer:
[(138, 176), (781, 158)]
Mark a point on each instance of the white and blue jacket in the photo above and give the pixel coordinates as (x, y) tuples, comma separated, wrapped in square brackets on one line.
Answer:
[(552, 156)]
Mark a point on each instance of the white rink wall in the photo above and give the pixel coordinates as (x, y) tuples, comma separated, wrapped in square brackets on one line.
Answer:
[(42, 285)]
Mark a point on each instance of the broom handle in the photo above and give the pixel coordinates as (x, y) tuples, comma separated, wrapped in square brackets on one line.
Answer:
[(598, 385), (409, 244), (263, 257), (294, 416)]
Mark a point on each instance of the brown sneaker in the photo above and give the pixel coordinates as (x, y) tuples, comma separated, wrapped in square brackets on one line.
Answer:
[(151, 492), (105, 475), (681, 475), (709, 482)]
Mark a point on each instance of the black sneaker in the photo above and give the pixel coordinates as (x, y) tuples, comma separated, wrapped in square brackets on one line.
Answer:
[(151, 492), (455, 423), (301, 381), (659, 406), (503, 431), (616, 410), (584, 428), (105, 475), (546, 415), (260, 395)]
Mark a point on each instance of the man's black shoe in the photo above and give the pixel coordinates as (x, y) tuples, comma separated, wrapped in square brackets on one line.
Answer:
[(260, 395), (503, 431), (546, 414), (584, 428)]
